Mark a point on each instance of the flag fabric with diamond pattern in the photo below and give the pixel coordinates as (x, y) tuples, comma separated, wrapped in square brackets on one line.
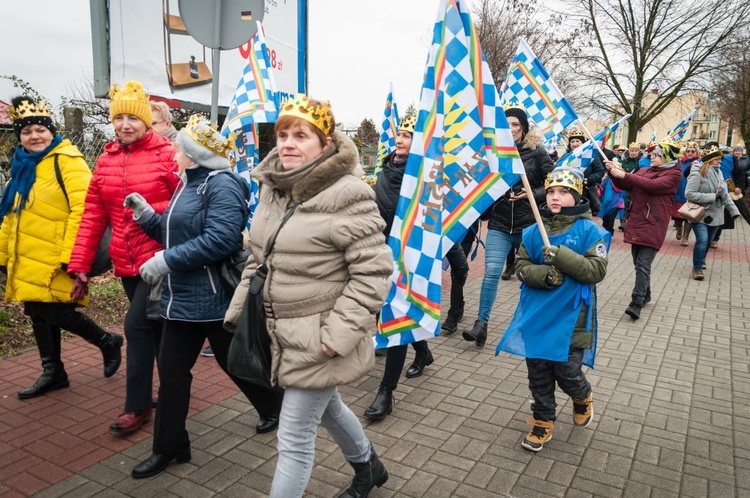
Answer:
[(255, 101), (582, 156), (462, 159), (529, 83), (390, 128), (676, 133)]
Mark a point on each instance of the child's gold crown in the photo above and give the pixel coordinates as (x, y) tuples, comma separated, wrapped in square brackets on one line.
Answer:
[(207, 136), (27, 110), (318, 115)]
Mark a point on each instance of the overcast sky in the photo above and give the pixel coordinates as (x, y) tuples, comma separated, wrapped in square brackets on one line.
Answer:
[(356, 48)]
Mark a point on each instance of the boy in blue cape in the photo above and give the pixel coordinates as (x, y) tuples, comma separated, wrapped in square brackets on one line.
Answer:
[(554, 326)]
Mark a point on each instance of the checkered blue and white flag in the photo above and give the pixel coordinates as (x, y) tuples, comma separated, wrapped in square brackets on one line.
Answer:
[(676, 133), (387, 142), (462, 159), (582, 156), (529, 83), (255, 101)]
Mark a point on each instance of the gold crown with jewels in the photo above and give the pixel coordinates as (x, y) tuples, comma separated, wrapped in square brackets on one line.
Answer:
[(319, 116), (207, 136), (565, 177), (28, 110), (576, 133), (513, 104)]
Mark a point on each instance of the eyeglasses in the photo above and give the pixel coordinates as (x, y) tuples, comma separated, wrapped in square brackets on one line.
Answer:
[(691, 151), (157, 122), (654, 155)]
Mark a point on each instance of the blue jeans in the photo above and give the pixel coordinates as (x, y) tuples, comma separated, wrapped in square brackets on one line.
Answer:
[(498, 245), (704, 234), (301, 413)]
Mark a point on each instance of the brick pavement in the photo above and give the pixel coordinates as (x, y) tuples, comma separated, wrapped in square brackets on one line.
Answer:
[(671, 400)]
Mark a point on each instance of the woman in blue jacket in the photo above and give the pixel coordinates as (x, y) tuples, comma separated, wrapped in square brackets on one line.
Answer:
[(202, 226)]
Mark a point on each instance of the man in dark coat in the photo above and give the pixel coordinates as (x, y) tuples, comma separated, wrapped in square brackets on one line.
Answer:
[(652, 192)]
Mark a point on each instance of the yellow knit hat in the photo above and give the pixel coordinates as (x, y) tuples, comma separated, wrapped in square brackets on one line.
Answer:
[(130, 99)]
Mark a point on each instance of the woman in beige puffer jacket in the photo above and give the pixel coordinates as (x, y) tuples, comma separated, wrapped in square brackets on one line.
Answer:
[(328, 275)]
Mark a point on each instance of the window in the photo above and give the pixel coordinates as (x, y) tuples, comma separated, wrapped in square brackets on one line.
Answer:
[(714, 118), (695, 129), (712, 134)]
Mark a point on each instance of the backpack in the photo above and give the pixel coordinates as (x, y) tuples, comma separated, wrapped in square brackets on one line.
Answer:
[(102, 262)]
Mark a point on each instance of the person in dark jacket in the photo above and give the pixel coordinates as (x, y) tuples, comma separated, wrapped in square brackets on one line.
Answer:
[(510, 215), (387, 191), (202, 226), (594, 172), (735, 178), (685, 162), (652, 192)]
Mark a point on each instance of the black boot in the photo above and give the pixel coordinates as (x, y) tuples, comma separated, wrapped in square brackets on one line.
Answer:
[(478, 333), (110, 344), (450, 325), (54, 376), (456, 311), (367, 475), (510, 270), (420, 361), (382, 405)]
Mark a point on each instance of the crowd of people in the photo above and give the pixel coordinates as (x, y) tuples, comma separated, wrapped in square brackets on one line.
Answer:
[(176, 209)]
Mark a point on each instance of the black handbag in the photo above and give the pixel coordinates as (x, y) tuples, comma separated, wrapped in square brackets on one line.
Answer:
[(249, 356), (230, 270)]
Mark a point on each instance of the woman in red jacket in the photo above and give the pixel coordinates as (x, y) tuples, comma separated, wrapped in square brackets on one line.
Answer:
[(138, 160)]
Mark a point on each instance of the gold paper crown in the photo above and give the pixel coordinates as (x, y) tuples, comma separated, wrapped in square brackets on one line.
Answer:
[(634, 144), (711, 154), (513, 104), (576, 132), (692, 145), (206, 135), (408, 124), (318, 115), (28, 110), (565, 177)]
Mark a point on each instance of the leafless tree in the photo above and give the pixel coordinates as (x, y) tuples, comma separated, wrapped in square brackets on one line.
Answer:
[(731, 90), (502, 23), (639, 46)]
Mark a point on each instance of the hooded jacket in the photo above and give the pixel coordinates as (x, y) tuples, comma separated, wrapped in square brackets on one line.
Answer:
[(35, 243), (513, 217), (146, 166), (328, 271), (652, 192)]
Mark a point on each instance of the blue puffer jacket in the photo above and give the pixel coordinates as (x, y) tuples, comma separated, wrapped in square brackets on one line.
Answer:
[(202, 226)]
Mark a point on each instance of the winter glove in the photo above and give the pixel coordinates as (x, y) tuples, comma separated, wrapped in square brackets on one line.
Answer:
[(80, 287), (138, 205), (155, 268), (550, 252), (554, 277)]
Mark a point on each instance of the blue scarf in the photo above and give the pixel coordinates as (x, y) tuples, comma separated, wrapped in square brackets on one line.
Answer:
[(23, 176)]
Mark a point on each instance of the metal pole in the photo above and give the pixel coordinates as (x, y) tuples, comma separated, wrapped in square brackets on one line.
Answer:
[(99, 45), (215, 63)]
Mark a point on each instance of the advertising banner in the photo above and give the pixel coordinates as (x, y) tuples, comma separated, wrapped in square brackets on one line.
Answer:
[(149, 43)]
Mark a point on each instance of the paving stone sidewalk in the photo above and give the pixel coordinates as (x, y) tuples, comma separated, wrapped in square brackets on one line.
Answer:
[(671, 391)]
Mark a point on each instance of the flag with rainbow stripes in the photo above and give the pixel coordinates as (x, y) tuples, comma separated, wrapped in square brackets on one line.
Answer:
[(529, 83), (390, 127), (462, 159), (254, 101)]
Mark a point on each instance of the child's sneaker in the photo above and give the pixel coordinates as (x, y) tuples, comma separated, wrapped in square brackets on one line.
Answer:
[(540, 433), (583, 411)]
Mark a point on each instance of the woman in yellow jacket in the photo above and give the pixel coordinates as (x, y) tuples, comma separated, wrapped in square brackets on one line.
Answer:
[(41, 209)]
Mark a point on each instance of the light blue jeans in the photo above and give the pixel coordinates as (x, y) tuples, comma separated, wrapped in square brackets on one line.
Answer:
[(497, 246), (302, 411)]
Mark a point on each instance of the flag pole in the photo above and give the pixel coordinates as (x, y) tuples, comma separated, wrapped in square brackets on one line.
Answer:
[(535, 209), (591, 137)]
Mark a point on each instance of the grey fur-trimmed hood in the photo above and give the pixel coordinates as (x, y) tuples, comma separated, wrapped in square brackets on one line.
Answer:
[(339, 159)]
